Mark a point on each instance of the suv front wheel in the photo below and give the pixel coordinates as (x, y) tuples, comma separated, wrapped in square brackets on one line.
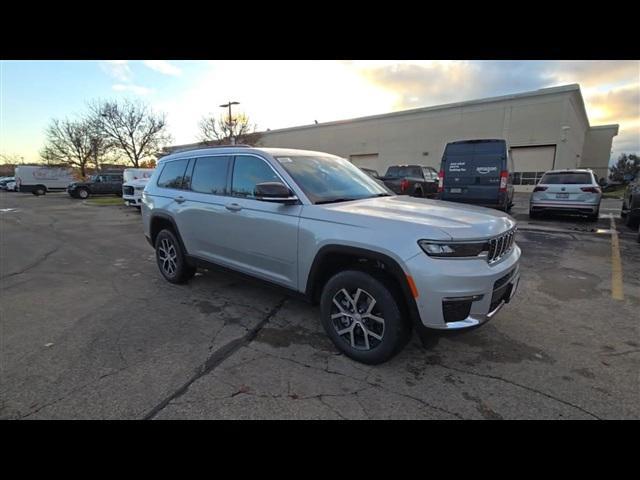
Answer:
[(171, 260), (362, 318)]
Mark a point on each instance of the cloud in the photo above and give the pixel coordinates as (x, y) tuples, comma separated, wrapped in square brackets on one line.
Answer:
[(611, 89), (163, 67), (616, 105), (118, 69), (136, 89)]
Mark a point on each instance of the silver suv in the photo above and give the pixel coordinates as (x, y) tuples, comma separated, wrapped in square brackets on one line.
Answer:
[(378, 264)]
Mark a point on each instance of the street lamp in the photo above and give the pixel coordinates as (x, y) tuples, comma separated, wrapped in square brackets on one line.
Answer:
[(228, 105)]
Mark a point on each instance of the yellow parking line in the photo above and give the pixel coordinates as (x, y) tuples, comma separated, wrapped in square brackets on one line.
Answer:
[(617, 292)]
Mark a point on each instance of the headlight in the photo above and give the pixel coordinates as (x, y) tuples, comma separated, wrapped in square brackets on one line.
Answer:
[(453, 249)]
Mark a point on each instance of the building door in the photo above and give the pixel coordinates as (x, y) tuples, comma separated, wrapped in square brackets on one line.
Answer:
[(529, 164), (369, 160)]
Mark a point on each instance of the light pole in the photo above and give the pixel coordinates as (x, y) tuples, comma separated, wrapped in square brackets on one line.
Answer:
[(228, 105)]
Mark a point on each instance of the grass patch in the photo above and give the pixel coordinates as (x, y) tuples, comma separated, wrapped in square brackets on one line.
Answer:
[(105, 201), (617, 193)]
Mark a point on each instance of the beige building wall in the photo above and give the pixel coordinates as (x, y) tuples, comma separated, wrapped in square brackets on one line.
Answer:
[(597, 149), (546, 128), (552, 117)]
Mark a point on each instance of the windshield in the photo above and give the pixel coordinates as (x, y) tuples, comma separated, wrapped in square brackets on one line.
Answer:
[(329, 179), (576, 178)]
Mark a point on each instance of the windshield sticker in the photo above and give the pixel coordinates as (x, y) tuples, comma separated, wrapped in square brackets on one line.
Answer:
[(284, 160)]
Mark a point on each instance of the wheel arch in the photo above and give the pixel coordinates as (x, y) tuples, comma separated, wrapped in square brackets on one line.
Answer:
[(160, 221), (331, 259)]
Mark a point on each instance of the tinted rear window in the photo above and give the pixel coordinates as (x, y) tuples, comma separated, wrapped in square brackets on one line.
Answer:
[(172, 173), (210, 175), (403, 172), (566, 178), (492, 147)]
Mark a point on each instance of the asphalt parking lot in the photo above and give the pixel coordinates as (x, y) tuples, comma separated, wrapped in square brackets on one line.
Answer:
[(90, 330)]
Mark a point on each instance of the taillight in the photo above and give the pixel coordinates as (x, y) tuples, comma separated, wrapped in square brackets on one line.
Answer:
[(503, 181), (591, 189), (404, 184), (540, 189), (441, 181)]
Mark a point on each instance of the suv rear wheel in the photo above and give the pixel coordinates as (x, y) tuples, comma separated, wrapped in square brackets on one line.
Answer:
[(362, 318), (170, 258), (82, 193)]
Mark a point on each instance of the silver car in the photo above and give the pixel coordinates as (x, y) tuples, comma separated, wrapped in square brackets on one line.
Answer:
[(378, 264), (566, 191)]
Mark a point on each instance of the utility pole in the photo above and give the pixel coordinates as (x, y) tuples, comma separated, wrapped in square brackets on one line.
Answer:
[(228, 105)]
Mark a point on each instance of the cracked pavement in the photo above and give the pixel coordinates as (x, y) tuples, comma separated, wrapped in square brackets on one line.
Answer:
[(90, 330)]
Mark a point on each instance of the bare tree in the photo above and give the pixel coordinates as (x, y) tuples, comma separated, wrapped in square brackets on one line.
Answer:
[(74, 143), (131, 127), (219, 131)]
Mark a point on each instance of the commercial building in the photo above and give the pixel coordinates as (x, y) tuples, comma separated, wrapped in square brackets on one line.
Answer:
[(546, 129)]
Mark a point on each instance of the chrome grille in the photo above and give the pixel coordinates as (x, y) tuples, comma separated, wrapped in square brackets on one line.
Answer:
[(501, 245)]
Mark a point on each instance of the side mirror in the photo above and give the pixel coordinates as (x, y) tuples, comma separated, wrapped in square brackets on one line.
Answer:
[(274, 192)]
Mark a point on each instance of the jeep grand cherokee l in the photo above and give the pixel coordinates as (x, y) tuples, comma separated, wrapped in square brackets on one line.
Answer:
[(378, 264)]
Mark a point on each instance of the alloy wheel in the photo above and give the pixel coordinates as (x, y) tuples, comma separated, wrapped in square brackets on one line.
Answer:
[(167, 255), (356, 318)]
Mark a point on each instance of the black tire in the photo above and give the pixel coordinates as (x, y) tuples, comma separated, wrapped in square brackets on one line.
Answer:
[(533, 215), (82, 193), (174, 269), (418, 193), (39, 190), (394, 331), (632, 220)]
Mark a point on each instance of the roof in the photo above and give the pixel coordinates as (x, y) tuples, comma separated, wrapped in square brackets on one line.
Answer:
[(232, 149), (574, 87)]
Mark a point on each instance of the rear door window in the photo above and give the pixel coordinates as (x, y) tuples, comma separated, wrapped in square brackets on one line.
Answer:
[(568, 178), (210, 175), (172, 174)]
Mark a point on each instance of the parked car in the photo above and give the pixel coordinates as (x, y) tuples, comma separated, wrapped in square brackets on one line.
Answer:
[(10, 187), (567, 191), (479, 172), (99, 184), (4, 181), (42, 179), (134, 180), (631, 202), (414, 180), (377, 263)]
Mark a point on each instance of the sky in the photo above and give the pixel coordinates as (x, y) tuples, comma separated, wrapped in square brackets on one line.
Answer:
[(279, 94)]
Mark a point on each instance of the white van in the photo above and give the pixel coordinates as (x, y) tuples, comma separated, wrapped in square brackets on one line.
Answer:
[(40, 180), (134, 181)]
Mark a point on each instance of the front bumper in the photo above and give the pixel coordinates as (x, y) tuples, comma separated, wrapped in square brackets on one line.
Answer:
[(132, 200), (486, 288)]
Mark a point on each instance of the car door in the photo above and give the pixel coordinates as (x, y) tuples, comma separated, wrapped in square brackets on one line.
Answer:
[(202, 214), (100, 184), (431, 182), (261, 237)]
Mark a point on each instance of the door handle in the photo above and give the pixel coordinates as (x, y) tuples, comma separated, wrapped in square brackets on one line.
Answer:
[(234, 207), (179, 199)]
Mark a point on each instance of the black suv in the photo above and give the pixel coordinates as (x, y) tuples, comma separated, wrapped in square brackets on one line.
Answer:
[(102, 183)]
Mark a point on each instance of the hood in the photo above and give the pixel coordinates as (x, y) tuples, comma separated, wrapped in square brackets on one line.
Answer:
[(139, 182), (434, 219)]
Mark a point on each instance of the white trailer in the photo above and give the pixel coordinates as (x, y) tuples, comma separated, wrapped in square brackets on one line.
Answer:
[(40, 180)]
